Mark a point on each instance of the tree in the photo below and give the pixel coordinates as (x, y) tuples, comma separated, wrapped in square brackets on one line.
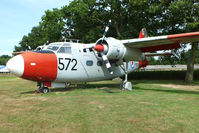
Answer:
[(182, 16), (190, 63), (4, 59)]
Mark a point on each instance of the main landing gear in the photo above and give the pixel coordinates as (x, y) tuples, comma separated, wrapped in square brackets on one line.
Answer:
[(125, 85)]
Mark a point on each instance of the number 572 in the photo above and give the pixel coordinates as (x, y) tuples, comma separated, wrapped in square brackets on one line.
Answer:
[(64, 63)]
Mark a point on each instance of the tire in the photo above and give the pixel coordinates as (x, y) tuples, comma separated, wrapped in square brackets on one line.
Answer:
[(128, 86), (122, 85), (45, 90)]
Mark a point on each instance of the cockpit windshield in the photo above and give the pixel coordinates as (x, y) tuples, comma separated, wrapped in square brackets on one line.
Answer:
[(54, 46), (60, 47)]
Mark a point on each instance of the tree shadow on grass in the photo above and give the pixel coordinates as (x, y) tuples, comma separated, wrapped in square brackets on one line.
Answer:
[(170, 91), (174, 82), (108, 88), (115, 88), (51, 90)]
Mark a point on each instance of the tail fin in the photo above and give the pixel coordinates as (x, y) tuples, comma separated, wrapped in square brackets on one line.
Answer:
[(143, 33)]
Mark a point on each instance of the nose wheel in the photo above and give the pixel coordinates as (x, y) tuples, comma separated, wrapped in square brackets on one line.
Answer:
[(44, 90)]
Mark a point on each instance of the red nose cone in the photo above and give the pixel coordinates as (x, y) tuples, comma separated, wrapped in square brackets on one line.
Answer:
[(99, 48), (39, 66)]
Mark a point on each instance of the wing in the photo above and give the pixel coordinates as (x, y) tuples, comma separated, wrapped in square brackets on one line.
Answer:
[(166, 42)]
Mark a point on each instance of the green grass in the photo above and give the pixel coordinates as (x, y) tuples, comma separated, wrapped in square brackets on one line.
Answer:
[(151, 107)]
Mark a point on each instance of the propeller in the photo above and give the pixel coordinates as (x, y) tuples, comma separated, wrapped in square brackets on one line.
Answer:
[(102, 49)]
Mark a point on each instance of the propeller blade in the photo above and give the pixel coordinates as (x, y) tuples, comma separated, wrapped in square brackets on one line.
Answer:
[(106, 29), (90, 48), (106, 61)]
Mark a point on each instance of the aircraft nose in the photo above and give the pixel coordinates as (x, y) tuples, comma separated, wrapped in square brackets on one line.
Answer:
[(16, 65)]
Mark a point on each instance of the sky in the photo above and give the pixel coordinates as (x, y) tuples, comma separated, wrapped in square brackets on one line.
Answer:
[(17, 17)]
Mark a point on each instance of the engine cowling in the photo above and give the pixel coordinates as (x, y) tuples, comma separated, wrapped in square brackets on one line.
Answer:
[(115, 50)]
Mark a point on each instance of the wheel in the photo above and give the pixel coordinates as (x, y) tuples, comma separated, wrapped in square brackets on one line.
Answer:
[(45, 90), (122, 85), (126, 86)]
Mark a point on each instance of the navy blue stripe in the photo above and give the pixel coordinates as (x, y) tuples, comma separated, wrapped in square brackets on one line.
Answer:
[(44, 51)]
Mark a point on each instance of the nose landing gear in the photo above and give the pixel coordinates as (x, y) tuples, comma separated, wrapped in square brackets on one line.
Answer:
[(42, 89)]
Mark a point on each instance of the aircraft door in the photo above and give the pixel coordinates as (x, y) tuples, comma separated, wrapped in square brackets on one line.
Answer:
[(93, 69)]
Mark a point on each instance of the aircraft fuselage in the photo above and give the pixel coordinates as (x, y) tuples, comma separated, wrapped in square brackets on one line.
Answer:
[(71, 64)]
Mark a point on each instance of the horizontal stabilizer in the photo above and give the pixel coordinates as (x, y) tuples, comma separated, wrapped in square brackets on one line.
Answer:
[(143, 33)]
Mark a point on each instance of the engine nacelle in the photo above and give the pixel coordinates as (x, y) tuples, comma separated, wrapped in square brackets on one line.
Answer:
[(115, 50)]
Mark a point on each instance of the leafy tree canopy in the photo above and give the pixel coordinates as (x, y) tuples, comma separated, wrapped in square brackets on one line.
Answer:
[(4, 59)]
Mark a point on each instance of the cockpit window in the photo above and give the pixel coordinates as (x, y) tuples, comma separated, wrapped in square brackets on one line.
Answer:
[(54, 48), (65, 50)]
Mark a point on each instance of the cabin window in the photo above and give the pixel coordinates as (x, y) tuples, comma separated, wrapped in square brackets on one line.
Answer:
[(65, 50), (89, 63), (99, 63), (68, 49)]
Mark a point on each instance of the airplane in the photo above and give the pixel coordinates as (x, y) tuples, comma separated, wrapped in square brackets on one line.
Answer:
[(3, 69), (60, 63)]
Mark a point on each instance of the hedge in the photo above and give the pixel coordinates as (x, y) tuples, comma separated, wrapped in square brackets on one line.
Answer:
[(161, 75)]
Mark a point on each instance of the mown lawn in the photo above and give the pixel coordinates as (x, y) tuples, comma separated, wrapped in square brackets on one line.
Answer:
[(152, 107)]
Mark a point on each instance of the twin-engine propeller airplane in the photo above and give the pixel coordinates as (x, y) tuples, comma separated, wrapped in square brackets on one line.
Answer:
[(59, 63)]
